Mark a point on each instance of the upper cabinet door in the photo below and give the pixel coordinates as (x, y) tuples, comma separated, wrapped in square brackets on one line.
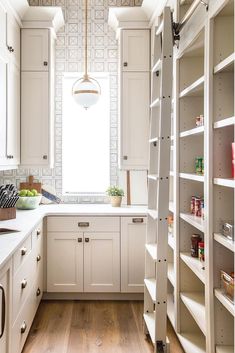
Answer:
[(3, 27), (34, 50), (34, 118), (13, 39), (135, 50), (3, 109)]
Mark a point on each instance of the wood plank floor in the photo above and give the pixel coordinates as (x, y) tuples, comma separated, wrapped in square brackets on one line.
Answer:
[(91, 327)]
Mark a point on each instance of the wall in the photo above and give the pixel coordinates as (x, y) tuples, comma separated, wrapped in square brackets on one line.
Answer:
[(103, 56)]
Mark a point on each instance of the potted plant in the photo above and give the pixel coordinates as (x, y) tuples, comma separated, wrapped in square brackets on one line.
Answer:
[(115, 194)]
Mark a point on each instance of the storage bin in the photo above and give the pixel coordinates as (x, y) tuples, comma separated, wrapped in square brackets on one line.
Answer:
[(227, 284)]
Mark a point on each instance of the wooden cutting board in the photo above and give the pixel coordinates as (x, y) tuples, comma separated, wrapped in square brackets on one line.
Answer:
[(31, 185)]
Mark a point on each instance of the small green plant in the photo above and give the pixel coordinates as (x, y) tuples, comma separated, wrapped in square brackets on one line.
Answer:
[(115, 191)]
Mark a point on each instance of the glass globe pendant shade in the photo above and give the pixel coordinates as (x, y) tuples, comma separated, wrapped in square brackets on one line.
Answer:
[(86, 91)]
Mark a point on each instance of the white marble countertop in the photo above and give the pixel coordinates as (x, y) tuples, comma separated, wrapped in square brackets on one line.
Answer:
[(27, 220)]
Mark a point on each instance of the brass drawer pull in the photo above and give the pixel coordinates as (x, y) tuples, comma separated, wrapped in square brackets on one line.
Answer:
[(38, 258), (38, 232), (87, 240), (23, 327), (137, 220), (83, 224), (80, 240), (38, 292), (23, 251), (24, 284)]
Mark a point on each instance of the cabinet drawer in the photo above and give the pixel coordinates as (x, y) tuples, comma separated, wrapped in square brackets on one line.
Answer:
[(22, 254), (22, 284), (86, 224)]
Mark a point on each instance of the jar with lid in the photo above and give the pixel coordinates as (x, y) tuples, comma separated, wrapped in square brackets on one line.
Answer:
[(201, 254), (195, 240)]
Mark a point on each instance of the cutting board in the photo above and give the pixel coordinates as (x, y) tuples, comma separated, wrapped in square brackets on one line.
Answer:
[(31, 185)]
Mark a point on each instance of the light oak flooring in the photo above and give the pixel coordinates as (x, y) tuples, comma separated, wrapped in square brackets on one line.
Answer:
[(91, 327)]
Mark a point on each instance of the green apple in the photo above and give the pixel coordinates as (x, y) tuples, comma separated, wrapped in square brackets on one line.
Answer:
[(23, 193), (34, 192), (29, 193)]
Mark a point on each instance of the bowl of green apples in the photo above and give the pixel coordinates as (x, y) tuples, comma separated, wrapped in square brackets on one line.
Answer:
[(28, 199)]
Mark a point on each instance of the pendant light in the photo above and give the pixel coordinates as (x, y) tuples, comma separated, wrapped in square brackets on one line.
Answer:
[(86, 90)]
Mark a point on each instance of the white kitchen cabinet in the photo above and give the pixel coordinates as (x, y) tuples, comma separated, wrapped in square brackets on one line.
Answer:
[(3, 27), (101, 262), (35, 49), (3, 108), (134, 123), (134, 98), (135, 50), (5, 283), (13, 39), (133, 234), (37, 96), (64, 262), (35, 120)]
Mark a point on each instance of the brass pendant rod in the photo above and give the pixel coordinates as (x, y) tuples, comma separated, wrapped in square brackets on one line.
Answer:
[(86, 75)]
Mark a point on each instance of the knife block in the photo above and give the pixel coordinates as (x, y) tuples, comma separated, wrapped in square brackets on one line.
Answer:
[(7, 213)]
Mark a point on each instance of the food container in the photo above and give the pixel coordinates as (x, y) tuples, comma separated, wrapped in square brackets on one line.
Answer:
[(200, 120), (170, 221), (201, 254), (199, 165), (28, 202), (228, 230), (195, 240), (227, 284)]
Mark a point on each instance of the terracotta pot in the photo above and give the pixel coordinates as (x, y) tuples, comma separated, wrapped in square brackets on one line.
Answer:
[(116, 201)]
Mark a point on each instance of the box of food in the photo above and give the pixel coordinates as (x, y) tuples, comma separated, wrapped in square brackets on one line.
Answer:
[(227, 284)]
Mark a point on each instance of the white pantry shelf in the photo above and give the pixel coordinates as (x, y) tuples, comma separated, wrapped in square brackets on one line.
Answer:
[(171, 273), (230, 183), (171, 241), (150, 284), (153, 140), (195, 89), (171, 309), (192, 342), (195, 303), (229, 244), (224, 349), (152, 213), (224, 122), (224, 300), (157, 66), (171, 206), (194, 264), (195, 221), (149, 319), (152, 250), (191, 176), (153, 177), (195, 131), (226, 65), (155, 103)]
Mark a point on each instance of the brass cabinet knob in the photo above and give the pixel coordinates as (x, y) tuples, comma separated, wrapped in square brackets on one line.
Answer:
[(87, 240), (44, 156), (79, 240), (125, 64), (24, 284), (38, 232), (23, 327), (39, 258), (45, 63), (38, 292), (23, 251)]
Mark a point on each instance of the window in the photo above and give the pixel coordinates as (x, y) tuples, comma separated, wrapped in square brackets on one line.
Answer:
[(86, 141)]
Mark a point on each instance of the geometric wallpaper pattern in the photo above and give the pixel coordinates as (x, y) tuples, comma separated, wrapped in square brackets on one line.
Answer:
[(103, 56)]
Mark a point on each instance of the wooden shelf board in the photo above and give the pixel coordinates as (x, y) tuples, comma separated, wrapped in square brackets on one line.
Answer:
[(153, 213), (195, 131), (171, 273), (171, 309), (224, 122), (194, 264), (152, 250), (195, 89), (191, 176), (225, 301), (154, 139), (157, 66), (195, 303), (171, 206), (224, 349), (230, 183), (229, 244), (149, 319), (196, 222), (226, 65), (150, 284), (192, 342), (155, 103), (153, 177), (171, 241)]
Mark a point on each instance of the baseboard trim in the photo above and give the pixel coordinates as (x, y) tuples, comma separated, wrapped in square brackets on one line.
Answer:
[(92, 296)]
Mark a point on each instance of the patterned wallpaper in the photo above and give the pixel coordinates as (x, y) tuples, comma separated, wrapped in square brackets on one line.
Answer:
[(103, 56)]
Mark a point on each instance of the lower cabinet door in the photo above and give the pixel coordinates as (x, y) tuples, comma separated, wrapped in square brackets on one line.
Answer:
[(5, 279), (133, 232), (101, 262), (64, 262)]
